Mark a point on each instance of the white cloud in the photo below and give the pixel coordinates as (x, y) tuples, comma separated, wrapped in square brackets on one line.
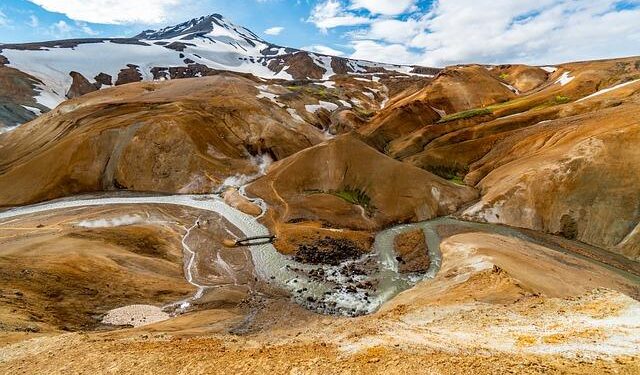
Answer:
[(381, 52), (86, 29), (386, 7), (331, 13), (532, 31), (276, 30), (485, 31), (390, 30), (112, 11), (325, 50), (3, 19), (33, 21), (61, 29)]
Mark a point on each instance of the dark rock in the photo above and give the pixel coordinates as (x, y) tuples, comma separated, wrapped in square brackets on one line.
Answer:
[(300, 66), (129, 75), (179, 46), (80, 86), (412, 252), (569, 227), (425, 70), (340, 65), (104, 79), (160, 73), (328, 251)]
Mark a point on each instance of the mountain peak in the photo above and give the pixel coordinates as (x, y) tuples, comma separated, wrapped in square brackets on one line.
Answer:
[(213, 25)]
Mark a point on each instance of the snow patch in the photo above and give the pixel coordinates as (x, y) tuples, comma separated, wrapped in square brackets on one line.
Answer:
[(511, 88), (34, 110), (263, 92), (313, 108), (262, 163), (112, 222), (609, 89), (345, 103), (564, 79), (295, 114)]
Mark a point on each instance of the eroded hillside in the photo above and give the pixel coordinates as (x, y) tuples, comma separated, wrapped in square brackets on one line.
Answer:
[(480, 218)]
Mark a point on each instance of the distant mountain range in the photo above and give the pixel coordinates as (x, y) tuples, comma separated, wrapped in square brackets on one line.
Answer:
[(35, 77)]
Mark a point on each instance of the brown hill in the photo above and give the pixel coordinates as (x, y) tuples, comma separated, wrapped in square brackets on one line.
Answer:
[(176, 136), (343, 183), (576, 177), (453, 90)]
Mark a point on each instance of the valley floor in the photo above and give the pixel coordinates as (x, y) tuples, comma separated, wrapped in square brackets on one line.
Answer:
[(499, 304)]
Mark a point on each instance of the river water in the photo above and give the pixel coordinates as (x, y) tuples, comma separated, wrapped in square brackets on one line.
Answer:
[(354, 287)]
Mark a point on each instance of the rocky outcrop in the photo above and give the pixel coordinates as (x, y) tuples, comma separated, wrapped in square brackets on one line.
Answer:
[(340, 65), (300, 65), (79, 86), (103, 79), (128, 75), (178, 46), (412, 252), (425, 70), (17, 103)]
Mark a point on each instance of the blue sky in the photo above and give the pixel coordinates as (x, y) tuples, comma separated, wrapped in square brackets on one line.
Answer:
[(427, 32)]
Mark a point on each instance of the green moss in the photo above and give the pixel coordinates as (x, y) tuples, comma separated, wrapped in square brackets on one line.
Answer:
[(349, 194), (561, 99), (504, 76), (355, 196), (454, 173), (466, 114), (365, 113), (458, 180)]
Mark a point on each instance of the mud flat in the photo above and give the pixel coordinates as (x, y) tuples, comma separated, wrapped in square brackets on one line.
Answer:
[(135, 315)]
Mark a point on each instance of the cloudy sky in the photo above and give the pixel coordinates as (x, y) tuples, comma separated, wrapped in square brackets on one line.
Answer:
[(425, 32)]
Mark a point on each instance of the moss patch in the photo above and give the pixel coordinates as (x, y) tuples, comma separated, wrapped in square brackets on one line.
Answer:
[(355, 196), (466, 114)]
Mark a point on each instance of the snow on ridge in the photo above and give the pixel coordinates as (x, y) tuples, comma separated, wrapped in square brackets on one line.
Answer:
[(511, 88), (608, 89), (295, 115), (264, 93), (549, 69), (34, 110), (313, 108), (221, 45), (564, 79)]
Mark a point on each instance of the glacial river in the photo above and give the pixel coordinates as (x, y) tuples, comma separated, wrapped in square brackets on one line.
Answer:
[(336, 292)]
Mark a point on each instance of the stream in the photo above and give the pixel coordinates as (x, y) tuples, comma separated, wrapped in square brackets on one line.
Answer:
[(354, 287), (351, 288)]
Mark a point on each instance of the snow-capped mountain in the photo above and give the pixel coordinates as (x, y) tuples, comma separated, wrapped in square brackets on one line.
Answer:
[(53, 71)]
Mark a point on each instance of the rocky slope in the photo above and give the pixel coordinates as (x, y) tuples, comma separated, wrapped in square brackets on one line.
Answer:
[(549, 145)]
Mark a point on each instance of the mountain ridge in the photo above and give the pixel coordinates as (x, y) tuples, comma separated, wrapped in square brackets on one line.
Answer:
[(52, 71)]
